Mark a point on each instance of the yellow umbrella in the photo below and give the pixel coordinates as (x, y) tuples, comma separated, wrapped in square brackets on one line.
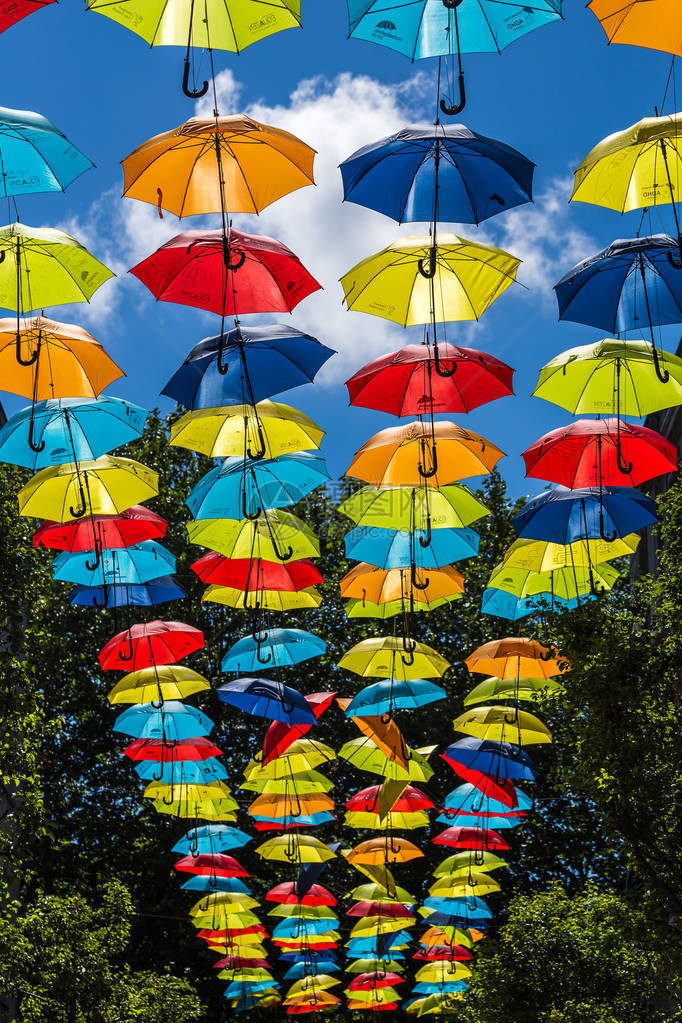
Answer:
[(366, 756), (377, 893), (414, 604), (454, 887), (303, 912), (375, 966), (275, 535), (393, 820), (543, 556), (382, 586), (441, 971), (224, 921), (267, 429), (393, 657), (318, 982), (358, 1000), (267, 600), (416, 455), (58, 360), (503, 724), (295, 848), (412, 508), (207, 810), (525, 689), (151, 685), (210, 164), (232, 900), (371, 925), (191, 794), (105, 486), (303, 755), (304, 783), (464, 864), (414, 281)]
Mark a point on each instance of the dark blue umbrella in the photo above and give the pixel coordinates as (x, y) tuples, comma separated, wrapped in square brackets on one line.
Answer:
[(154, 591), (310, 872), (631, 284), (268, 699), (564, 516), (391, 548), (496, 758), (246, 365), (468, 176)]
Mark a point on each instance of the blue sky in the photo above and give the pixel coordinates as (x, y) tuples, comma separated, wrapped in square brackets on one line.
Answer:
[(552, 95)]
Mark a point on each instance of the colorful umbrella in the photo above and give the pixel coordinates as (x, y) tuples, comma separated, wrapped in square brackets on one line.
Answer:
[(106, 486), (516, 657), (545, 556), (294, 848), (497, 724), (524, 689), (240, 487), (268, 699), (414, 508), (167, 682), (387, 657), (274, 536), (229, 274), (260, 599), (389, 849), (280, 735), (653, 25), (155, 591), (562, 516), (280, 648), (210, 164), (150, 644), (253, 575), (20, 9), (501, 759), (268, 429), (561, 584), (213, 838), (134, 525), (129, 565), (172, 723), (386, 697), (381, 586), (391, 548), (198, 748)]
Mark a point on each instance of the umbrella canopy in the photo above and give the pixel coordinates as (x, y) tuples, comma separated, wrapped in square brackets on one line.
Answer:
[(380, 586), (106, 486), (516, 657), (467, 278), (545, 556), (414, 508), (640, 23), (302, 756), (498, 724), (417, 455), (213, 838), (36, 156), (240, 486), (463, 864), (20, 9), (391, 548), (150, 644), (364, 754), (184, 772), (173, 722), (42, 359), (385, 697), (611, 377), (564, 584), (264, 599), (233, 275), (267, 699), (231, 25), (295, 848), (132, 565), (207, 164), (523, 689), (281, 648), (471, 838), (386, 657), (419, 379), (504, 604), (502, 759), (197, 748), (471, 176), (562, 516), (134, 525), (69, 430), (388, 849), (269, 428), (366, 801), (43, 266), (168, 682), (286, 893), (274, 536), (601, 453), (249, 575), (280, 735), (155, 591), (246, 364)]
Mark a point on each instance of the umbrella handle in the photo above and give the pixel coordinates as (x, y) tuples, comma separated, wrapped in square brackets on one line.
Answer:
[(479, 857), (413, 579), (441, 370), (92, 565), (409, 647), (255, 455), (129, 656), (425, 540), (80, 511), (428, 269), (191, 93), (457, 108), (623, 466), (40, 446), (662, 375), (227, 257), (677, 263), (194, 844), (278, 553), (17, 353), (168, 802), (428, 473), (246, 514), (608, 537), (105, 603)]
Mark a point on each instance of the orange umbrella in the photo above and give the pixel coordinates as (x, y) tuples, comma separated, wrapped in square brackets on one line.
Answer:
[(210, 164), (381, 586), (417, 454), (290, 805), (653, 24), (378, 851), (516, 657), (384, 734)]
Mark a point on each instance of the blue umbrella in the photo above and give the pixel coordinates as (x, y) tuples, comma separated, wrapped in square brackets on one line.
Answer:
[(292, 928), (136, 564), (280, 648), (246, 365), (211, 838), (502, 604), (36, 156), (307, 968), (239, 487), (469, 177), (241, 988), (362, 948), (207, 883), (179, 772), (631, 284), (465, 820), (468, 799), (563, 516), (434, 988), (458, 920), (390, 548), (154, 591), (495, 758), (312, 954), (310, 872), (69, 430), (267, 699), (471, 905), (391, 694), (173, 722), (312, 820)]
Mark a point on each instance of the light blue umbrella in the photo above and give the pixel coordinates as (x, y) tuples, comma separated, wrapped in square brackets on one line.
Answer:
[(35, 156), (468, 799), (136, 564), (153, 591), (307, 968), (243, 988), (179, 772), (173, 722), (392, 694), (426, 988), (390, 548), (476, 821), (502, 604), (239, 487), (207, 883), (69, 430), (210, 839), (312, 820), (292, 928), (279, 648)]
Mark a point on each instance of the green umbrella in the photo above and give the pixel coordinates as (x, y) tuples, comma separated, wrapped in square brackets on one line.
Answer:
[(612, 377), (413, 508), (567, 583)]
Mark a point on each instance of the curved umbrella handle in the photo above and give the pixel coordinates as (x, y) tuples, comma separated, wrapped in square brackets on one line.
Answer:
[(457, 108), (479, 857), (428, 473), (425, 540), (194, 843), (513, 720), (192, 93), (222, 368), (246, 514), (227, 256), (92, 565), (623, 466), (662, 375), (441, 370), (414, 582), (409, 647), (80, 511), (40, 446), (168, 802), (131, 651), (677, 263), (255, 455), (608, 537), (428, 269), (17, 353)]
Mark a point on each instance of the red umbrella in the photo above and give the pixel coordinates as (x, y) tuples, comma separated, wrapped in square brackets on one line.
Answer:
[(312, 940), (13, 12), (369, 981), (285, 895), (504, 792), (255, 574), (471, 838), (411, 799), (600, 452), (135, 525), (212, 864), (388, 910), (143, 646), (238, 962), (200, 748), (224, 937), (314, 1005), (354, 1006), (280, 736), (416, 380), (243, 273)]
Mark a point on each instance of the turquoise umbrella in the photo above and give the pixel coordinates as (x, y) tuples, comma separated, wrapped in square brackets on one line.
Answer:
[(210, 839), (35, 156), (182, 772), (386, 696), (275, 647), (172, 722), (134, 565)]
